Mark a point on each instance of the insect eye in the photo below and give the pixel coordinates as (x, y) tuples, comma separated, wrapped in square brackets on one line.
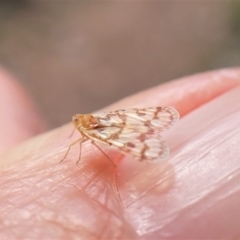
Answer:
[(75, 119)]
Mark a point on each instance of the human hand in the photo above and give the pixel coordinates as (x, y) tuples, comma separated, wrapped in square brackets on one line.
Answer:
[(194, 194)]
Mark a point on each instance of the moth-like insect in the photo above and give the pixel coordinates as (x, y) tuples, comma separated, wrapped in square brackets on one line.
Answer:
[(132, 131)]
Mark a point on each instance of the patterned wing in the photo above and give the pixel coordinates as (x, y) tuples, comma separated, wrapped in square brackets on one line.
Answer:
[(135, 131), (142, 146), (158, 118)]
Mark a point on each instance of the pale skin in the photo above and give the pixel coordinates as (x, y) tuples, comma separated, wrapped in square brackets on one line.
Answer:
[(193, 195)]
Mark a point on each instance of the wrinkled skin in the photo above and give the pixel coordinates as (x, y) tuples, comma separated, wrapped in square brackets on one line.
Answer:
[(193, 195)]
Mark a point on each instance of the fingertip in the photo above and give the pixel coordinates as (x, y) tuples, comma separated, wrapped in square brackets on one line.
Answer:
[(20, 118), (187, 93)]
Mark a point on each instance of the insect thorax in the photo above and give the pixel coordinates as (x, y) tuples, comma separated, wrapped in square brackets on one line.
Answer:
[(84, 120)]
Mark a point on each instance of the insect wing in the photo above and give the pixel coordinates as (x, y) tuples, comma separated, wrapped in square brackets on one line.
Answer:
[(159, 118), (135, 131), (142, 146)]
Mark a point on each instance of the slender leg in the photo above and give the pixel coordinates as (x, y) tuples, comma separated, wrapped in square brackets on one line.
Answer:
[(72, 132), (79, 140), (104, 153), (80, 151)]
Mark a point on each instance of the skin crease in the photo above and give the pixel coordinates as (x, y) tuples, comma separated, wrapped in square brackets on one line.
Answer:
[(193, 195)]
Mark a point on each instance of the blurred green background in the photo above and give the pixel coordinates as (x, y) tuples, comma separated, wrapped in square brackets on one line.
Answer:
[(79, 56)]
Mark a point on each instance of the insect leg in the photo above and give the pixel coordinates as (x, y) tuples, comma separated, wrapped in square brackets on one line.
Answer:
[(104, 153), (80, 151), (78, 140), (72, 132)]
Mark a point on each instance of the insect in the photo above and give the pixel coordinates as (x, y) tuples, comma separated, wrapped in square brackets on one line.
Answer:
[(132, 131)]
